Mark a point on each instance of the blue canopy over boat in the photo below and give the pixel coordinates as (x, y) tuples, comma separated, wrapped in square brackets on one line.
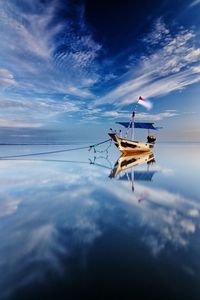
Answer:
[(143, 125)]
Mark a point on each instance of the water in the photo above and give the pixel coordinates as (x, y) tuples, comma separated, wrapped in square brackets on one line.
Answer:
[(69, 231)]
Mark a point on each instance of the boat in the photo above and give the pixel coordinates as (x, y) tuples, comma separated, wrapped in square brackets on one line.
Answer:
[(129, 145)]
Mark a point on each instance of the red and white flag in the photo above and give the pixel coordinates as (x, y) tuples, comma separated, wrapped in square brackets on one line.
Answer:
[(146, 103)]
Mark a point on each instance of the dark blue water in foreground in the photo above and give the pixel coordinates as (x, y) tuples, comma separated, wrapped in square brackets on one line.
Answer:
[(69, 231)]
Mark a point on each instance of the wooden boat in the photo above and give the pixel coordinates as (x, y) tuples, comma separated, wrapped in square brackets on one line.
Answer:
[(128, 146)]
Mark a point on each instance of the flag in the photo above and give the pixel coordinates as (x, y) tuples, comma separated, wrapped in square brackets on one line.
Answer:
[(145, 103)]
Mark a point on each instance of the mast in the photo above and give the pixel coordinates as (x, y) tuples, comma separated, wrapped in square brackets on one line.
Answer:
[(132, 120), (133, 127)]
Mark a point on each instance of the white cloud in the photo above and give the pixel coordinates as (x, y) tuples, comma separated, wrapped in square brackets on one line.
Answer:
[(18, 123), (6, 78), (194, 3), (170, 68), (193, 56), (196, 69), (45, 55), (139, 116), (193, 212), (75, 91), (33, 114), (29, 32), (116, 114), (156, 36), (9, 206), (157, 117)]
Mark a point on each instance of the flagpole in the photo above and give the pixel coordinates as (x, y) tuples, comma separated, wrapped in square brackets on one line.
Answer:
[(133, 117), (132, 129)]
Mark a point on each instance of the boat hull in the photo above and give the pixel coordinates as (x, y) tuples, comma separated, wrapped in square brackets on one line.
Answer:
[(128, 146)]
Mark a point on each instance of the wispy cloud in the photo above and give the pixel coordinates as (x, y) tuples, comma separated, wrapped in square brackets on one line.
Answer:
[(194, 3), (19, 123), (6, 78), (46, 55), (47, 63), (171, 65), (146, 116), (157, 117), (30, 113)]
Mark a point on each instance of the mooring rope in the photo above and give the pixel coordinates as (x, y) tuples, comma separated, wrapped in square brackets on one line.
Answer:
[(89, 147), (101, 151)]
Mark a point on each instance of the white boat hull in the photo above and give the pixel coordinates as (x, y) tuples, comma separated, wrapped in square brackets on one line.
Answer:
[(128, 146)]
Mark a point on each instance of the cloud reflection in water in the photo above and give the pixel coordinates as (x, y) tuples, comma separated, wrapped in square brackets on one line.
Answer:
[(50, 212)]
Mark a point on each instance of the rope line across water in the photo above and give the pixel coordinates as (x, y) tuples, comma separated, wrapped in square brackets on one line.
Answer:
[(56, 151)]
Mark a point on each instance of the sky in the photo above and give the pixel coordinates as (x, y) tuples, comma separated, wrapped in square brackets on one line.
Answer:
[(70, 69)]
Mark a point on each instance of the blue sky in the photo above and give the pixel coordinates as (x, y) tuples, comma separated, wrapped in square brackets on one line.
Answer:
[(73, 68)]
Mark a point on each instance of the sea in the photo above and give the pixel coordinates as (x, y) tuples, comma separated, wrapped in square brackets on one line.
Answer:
[(89, 224)]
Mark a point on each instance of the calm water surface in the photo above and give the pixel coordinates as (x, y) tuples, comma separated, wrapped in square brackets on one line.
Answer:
[(73, 226)]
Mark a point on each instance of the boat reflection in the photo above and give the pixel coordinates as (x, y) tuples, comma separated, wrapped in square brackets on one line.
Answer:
[(128, 162)]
